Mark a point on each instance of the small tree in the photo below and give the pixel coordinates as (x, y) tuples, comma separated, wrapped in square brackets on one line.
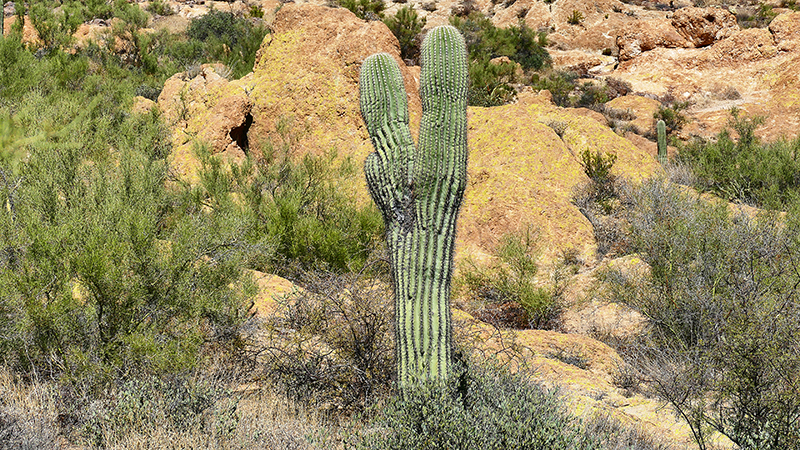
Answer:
[(406, 26)]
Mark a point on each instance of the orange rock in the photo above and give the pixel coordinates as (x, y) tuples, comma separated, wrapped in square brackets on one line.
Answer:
[(786, 30), (639, 107), (704, 26), (645, 35)]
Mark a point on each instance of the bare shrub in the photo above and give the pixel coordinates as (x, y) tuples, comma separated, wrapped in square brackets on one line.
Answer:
[(723, 299), (332, 346)]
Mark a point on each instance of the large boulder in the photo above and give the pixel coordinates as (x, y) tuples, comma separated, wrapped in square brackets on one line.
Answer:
[(524, 167), (640, 36), (786, 30), (704, 26), (522, 171)]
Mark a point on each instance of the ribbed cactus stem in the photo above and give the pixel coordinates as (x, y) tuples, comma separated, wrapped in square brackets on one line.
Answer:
[(418, 189), (661, 131)]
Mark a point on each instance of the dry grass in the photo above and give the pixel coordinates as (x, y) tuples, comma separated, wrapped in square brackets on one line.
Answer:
[(28, 415)]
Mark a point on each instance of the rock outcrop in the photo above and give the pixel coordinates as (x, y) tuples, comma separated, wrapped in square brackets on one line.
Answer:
[(704, 26)]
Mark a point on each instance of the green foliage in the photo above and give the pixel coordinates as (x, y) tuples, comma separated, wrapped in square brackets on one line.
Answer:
[(99, 277), (518, 42), (365, 9), (721, 297), (103, 281), (481, 410), (228, 39), (406, 26), (298, 213), (598, 167), (55, 29), (491, 84), (672, 116), (575, 18), (512, 279), (746, 170), (160, 8)]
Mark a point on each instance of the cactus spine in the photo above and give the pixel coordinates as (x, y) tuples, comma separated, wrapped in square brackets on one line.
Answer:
[(661, 130), (419, 189)]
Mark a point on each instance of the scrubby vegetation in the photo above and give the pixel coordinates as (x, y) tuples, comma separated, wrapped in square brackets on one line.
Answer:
[(126, 294), (744, 169), (721, 298)]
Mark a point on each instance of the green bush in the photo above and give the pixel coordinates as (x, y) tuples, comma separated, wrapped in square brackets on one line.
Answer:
[(300, 214), (491, 84), (512, 279), (100, 277), (672, 116), (228, 39), (598, 167), (406, 26), (479, 410), (160, 8), (723, 345), (746, 170), (365, 9), (103, 280)]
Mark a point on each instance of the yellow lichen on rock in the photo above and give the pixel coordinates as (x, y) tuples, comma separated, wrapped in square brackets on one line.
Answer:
[(522, 175)]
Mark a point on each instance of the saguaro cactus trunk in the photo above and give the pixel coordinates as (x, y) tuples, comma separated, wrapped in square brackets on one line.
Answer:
[(419, 191), (661, 135)]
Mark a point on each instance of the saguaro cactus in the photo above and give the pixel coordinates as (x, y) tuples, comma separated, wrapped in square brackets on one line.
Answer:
[(419, 191), (661, 131)]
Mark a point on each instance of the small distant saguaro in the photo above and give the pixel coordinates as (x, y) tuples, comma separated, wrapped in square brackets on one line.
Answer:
[(419, 189)]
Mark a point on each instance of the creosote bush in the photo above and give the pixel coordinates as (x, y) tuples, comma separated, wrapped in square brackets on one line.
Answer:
[(297, 213), (511, 279), (745, 169), (485, 408), (722, 302), (406, 25), (491, 83), (331, 346)]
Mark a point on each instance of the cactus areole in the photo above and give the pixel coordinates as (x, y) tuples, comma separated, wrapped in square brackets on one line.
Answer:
[(418, 189)]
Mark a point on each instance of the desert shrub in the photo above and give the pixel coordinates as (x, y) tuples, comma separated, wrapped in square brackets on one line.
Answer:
[(477, 410), (745, 169), (364, 9), (331, 345), (491, 84), (299, 214), (228, 39), (672, 116), (406, 26), (597, 167), (485, 408), (104, 280), (100, 277), (511, 279), (721, 300), (160, 8), (517, 42), (140, 405), (559, 84)]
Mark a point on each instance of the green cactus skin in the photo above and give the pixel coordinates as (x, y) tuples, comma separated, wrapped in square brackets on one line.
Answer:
[(419, 190), (661, 130)]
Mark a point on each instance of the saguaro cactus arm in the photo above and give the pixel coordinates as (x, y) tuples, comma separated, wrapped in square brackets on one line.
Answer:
[(419, 190)]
